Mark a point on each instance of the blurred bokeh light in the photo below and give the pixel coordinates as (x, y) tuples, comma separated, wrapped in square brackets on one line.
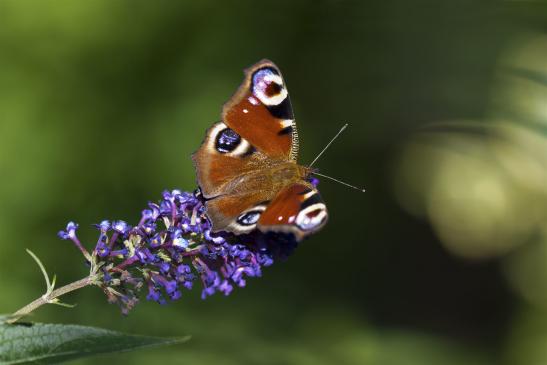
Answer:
[(485, 183)]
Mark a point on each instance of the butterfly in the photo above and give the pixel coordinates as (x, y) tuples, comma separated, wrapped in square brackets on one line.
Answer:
[(246, 166)]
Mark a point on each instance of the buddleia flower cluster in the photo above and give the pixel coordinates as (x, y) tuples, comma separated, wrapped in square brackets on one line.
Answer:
[(172, 249)]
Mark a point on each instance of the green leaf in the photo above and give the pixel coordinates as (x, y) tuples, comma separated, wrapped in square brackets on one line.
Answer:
[(33, 343)]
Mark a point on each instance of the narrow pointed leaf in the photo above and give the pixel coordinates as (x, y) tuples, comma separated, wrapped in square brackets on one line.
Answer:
[(33, 343)]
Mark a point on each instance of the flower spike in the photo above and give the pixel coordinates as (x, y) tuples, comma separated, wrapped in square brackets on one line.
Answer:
[(170, 249)]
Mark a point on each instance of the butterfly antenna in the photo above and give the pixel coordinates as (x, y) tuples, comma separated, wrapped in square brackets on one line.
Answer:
[(338, 181), (328, 144)]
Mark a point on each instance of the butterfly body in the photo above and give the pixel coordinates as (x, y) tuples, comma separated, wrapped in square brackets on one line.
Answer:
[(246, 166)]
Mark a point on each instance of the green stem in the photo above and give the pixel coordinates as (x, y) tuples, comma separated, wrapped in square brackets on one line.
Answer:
[(50, 298)]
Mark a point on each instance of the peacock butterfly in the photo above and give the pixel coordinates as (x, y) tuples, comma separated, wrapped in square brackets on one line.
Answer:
[(246, 166)]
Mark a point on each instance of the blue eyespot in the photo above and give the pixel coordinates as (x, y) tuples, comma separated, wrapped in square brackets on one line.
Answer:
[(249, 218), (227, 141)]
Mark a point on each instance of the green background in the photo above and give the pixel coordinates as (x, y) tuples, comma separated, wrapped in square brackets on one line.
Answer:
[(442, 261)]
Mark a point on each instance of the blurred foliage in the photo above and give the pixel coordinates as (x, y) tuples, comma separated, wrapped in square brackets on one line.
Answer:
[(102, 102), (484, 182)]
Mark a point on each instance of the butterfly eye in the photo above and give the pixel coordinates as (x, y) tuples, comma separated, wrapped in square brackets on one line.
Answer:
[(227, 141), (249, 218)]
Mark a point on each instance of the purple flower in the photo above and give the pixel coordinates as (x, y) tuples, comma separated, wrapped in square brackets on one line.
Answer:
[(264, 259), (177, 239), (175, 295), (120, 227), (123, 252), (102, 248), (149, 228), (155, 241), (165, 267), (145, 256), (171, 286), (214, 238), (104, 226), (69, 233), (183, 269), (153, 294), (172, 248), (225, 287), (154, 211), (170, 195)]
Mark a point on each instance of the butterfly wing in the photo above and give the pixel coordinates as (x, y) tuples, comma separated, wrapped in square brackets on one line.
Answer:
[(296, 209), (237, 213), (235, 161), (230, 174), (261, 112), (223, 161), (257, 126)]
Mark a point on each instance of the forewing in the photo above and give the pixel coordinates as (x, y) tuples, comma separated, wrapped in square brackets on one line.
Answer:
[(261, 112), (223, 159)]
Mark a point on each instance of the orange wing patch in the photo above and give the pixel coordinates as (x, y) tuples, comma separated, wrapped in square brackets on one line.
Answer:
[(261, 112)]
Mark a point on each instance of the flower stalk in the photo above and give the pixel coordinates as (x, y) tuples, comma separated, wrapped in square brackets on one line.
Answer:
[(50, 298), (171, 247)]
